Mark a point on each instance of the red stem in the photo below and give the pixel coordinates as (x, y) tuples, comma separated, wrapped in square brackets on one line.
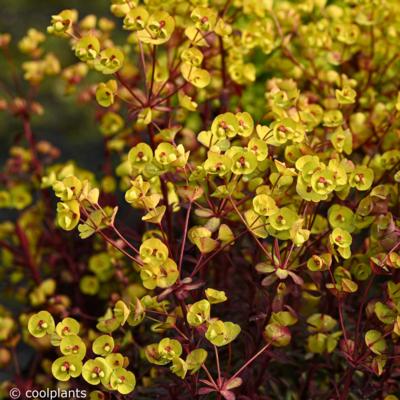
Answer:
[(28, 256), (184, 236), (247, 363)]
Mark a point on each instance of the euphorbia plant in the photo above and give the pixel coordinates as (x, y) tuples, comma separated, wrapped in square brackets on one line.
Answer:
[(255, 148)]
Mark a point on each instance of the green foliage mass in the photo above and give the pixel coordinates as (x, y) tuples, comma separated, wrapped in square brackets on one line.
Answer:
[(242, 219)]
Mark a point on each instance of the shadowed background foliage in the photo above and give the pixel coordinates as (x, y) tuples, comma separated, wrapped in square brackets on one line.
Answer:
[(71, 128), (68, 127)]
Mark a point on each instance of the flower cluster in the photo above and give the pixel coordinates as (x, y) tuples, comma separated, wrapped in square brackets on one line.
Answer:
[(107, 369)]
